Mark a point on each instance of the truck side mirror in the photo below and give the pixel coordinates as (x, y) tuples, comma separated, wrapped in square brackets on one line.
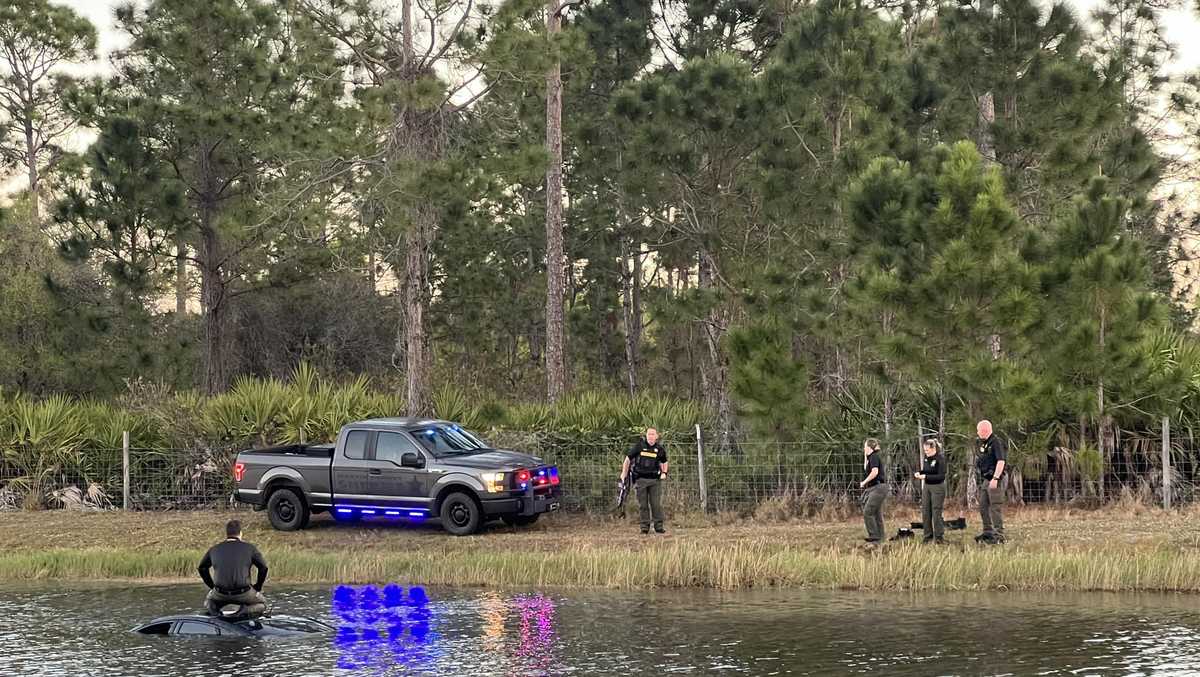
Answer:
[(411, 460)]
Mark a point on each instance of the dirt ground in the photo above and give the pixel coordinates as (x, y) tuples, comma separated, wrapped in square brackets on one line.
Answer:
[(1029, 529)]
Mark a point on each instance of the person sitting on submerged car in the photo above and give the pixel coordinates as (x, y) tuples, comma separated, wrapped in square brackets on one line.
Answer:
[(232, 559)]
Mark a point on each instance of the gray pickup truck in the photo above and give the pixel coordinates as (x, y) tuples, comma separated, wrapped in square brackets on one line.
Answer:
[(400, 468)]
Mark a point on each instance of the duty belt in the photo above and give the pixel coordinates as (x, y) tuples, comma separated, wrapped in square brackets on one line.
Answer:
[(233, 591)]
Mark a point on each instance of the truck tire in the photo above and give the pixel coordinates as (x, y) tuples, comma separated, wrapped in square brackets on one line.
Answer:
[(460, 514), (287, 510), (520, 520)]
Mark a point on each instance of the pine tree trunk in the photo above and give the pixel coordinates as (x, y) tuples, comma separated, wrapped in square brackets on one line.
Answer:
[(714, 375), (633, 317), (941, 416), (556, 368), (1102, 432), (971, 493), (31, 165), (215, 305), (181, 286), (1083, 437), (887, 413), (415, 294), (986, 104), (418, 136)]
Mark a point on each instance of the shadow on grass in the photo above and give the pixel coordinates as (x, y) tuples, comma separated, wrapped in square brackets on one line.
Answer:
[(432, 526)]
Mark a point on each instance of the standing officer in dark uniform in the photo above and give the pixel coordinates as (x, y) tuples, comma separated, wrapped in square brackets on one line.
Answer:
[(990, 461), (232, 559), (933, 491), (874, 488), (647, 460)]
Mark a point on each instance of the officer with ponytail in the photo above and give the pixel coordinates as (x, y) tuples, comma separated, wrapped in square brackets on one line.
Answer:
[(874, 486)]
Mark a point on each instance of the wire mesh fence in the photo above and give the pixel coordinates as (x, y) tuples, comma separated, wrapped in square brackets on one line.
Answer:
[(747, 476), (159, 479)]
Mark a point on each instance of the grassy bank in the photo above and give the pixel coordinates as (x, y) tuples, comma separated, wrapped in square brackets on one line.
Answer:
[(1119, 549)]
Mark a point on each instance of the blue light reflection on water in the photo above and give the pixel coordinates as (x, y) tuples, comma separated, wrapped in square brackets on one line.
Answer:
[(392, 629), (383, 629)]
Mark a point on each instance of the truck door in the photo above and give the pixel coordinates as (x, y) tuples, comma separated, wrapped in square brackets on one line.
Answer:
[(394, 484), (349, 474)]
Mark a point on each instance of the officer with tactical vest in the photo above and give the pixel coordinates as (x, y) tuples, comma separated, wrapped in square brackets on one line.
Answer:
[(647, 461), (990, 460)]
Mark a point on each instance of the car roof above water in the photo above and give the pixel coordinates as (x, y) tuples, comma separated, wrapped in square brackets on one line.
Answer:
[(263, 626)]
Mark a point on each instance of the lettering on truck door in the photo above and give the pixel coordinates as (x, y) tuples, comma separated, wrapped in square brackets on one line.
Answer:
[(397, 485)]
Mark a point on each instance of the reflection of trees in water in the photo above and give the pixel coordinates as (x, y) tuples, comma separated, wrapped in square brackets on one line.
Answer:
[(383, 629)]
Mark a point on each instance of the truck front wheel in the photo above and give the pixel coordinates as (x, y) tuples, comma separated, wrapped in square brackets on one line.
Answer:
[(287, 510), (460, 514)]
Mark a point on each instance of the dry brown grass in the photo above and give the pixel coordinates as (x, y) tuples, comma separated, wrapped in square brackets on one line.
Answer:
[(1126, 547)]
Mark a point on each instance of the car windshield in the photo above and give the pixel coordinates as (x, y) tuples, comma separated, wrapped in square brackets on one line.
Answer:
[(448, 440)]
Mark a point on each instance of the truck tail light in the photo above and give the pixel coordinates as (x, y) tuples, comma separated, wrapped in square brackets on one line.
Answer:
[(239, 469), (554, 475), (522, 476)]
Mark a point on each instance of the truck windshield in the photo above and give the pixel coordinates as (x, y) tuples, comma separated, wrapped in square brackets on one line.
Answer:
[(448, 441)]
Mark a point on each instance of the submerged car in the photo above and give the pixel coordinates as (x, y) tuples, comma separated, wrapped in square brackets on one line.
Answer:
[(194, 625)]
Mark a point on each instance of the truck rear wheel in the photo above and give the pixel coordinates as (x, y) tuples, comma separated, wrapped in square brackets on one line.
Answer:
[(520, 520), (287, 510), (460, 514)]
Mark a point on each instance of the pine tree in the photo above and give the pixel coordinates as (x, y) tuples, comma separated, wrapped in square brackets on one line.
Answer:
[(1053, 113), (841, 91), (693, 135), (941, 253), (1094, 340), (37, 38), (413, 72), (232, 100)]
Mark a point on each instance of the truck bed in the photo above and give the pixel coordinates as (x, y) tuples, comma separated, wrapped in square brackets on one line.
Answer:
[(314, 450)]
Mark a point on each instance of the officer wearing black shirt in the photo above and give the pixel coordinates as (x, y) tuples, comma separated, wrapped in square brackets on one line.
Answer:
[(647, 460), (874, 485), (990, 461), (933, 491), (232, 559)]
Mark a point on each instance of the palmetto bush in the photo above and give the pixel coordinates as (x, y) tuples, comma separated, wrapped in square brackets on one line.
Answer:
[(183, 443), (39, 439)]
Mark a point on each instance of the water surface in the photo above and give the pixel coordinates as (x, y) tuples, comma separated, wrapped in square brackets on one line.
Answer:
[(84, 630)]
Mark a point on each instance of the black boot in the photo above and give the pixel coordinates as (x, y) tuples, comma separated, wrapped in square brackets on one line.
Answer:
[(659, 529)]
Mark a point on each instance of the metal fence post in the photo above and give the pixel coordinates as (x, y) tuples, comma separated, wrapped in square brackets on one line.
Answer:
[(700, 470), (1166, 462), (125, 470)]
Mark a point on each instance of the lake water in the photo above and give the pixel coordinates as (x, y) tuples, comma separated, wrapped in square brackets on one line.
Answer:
[(84, 630)]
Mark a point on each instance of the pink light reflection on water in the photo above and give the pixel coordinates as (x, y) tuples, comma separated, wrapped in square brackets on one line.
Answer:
[(537, 635)]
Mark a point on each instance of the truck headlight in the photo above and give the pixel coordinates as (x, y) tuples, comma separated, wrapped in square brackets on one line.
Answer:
[(494, 482)]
